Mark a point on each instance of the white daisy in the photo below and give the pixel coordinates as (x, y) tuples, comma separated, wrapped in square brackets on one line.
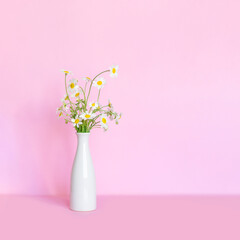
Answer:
[(86, 79), (93, 105), (65, 98), (72, 85), (119, 116), (65, 106), (99, 108), (65, 71), (59, 112), (76, 92), (99, 83), (104, 122), (110, 104), (87, 115), (76, 121), (114, 71)]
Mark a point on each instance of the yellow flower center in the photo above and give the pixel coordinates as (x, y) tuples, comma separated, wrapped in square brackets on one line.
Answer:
[(93, 104), (77, 94), (60, 114), (88, 78), (66, 71), (77, 121), (72, 85), (114, 70), (99, 83), (87, 116), (104, 120)]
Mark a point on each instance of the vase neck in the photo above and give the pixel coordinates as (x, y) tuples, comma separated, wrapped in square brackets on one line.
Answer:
[(83, 138)]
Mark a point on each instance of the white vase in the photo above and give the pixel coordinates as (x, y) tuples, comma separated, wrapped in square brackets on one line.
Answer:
[(83, 183)]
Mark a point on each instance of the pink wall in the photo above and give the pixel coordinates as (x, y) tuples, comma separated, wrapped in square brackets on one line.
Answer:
[(178, 87)]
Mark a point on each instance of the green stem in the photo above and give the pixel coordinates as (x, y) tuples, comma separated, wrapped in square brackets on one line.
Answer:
[(98, 95), (85, 86), (97, 126), (93, 125), (93, 80), (84, 97), (102, 107), (95, 118)]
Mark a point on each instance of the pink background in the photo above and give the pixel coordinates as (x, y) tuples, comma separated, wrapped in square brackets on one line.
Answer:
[(178, 88)]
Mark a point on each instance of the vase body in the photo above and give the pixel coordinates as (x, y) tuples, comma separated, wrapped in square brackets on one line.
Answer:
[(83, 183)]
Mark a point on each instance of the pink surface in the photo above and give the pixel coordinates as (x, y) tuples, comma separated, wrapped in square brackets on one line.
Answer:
[(185, 218), (178, 88)]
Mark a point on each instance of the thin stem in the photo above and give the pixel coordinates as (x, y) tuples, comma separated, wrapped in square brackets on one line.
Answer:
[(85, 86), (93, 80), (97, 126), (63, 110), (95, 118), (69, 119), (103, 107), (84, 97), (98, 95), (88, 126), (93, 125)]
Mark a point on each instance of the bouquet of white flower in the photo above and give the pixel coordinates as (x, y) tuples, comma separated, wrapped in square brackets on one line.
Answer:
[(76, 109)]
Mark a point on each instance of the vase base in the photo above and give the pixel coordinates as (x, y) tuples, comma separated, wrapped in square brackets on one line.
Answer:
[(82, 210)]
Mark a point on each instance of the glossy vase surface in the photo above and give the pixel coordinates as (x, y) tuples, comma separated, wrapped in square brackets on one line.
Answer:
[(83, 183)]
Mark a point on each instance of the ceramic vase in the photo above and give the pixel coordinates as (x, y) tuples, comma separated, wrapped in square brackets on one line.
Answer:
[(83, 183)]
